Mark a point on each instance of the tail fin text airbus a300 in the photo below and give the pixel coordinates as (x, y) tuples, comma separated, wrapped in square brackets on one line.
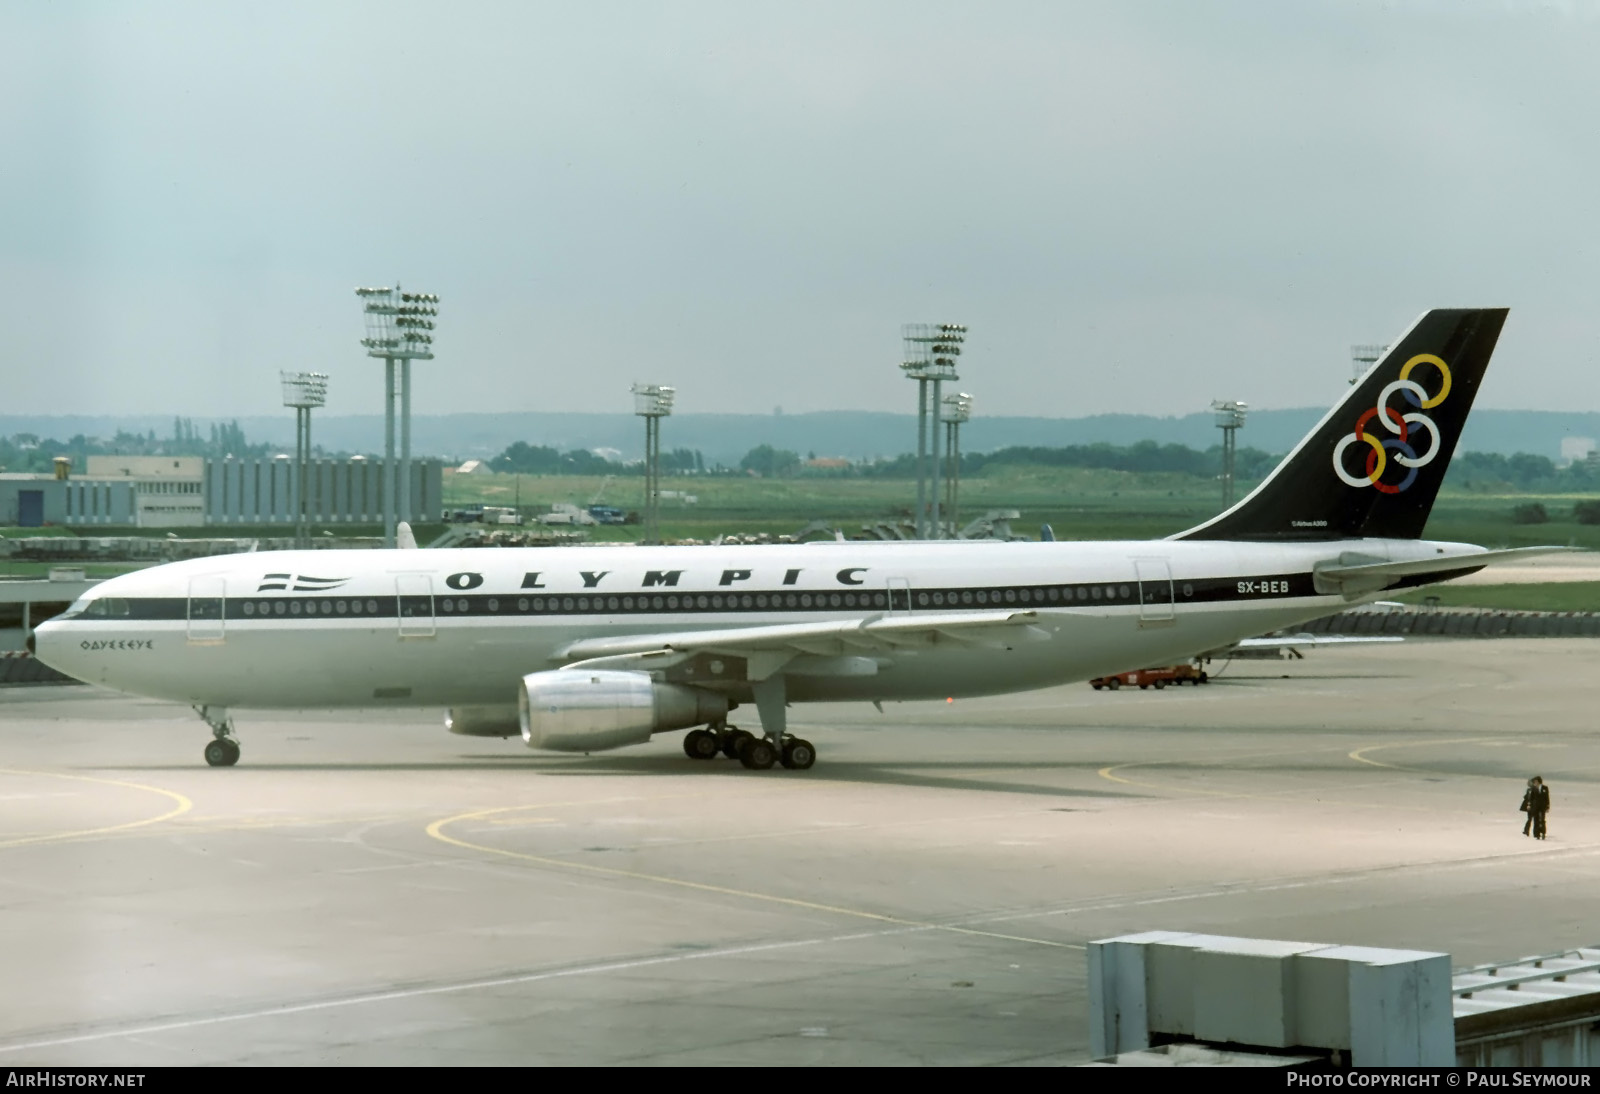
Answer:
[(583, 649)]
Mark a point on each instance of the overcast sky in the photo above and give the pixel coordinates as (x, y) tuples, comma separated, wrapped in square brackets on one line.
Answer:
[(1135, 206)]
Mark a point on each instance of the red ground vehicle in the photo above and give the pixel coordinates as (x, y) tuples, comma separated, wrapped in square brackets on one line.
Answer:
[(1161, 677)]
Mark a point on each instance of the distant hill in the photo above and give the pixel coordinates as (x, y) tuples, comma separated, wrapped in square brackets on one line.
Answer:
[(725, 438)]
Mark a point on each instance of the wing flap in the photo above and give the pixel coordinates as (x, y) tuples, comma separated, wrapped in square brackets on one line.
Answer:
[(827, 638)]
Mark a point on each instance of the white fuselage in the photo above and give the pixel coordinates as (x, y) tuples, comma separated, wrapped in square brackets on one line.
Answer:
[(461, 627)]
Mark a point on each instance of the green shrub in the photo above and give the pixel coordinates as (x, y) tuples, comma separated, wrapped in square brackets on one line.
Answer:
[(1531, 513)]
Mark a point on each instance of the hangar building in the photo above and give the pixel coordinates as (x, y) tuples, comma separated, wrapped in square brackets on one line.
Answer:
[(193, 492)]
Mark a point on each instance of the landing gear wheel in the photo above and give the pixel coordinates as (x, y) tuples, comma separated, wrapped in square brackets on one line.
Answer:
[(731, 744), (701, 745), (758, 754), (797, 754), (221, 752), (1204, 678)]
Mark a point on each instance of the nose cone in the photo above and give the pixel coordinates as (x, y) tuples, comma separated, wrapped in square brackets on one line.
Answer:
[(46, 644), (54, 644)]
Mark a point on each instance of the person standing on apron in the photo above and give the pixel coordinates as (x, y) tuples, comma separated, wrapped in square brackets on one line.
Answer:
[(1535, 803)]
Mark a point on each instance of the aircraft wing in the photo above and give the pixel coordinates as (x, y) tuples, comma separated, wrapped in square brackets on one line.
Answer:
[(768, 649)]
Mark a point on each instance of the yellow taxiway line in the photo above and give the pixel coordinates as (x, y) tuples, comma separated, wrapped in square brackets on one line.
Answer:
[(1359, 757), (436, 831), (181, 805)]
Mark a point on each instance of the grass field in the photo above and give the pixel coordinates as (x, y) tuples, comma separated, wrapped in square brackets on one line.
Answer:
[(1076, 503)]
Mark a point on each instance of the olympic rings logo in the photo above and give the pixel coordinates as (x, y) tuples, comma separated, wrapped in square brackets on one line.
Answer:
[(1401, 426)]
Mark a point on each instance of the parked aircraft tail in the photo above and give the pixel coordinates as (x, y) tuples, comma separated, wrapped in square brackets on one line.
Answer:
[(1373, 465)]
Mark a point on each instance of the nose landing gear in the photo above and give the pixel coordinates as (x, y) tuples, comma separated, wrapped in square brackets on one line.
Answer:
[(222, 752), (223, 749)]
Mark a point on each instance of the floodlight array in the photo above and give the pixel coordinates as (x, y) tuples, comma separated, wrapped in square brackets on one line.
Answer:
[(653, 400), (304, 390), (1230, 415), (956, 408), (931, 350), (399, 323)]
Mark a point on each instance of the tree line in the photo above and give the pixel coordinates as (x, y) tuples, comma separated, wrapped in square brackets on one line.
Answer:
[(1487, 472), (31, 453), (538, 459)]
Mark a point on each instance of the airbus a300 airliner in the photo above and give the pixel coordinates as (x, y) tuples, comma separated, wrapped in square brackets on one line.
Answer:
[(584, 649)]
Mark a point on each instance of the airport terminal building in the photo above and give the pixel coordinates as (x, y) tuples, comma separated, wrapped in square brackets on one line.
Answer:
[(194, 492)]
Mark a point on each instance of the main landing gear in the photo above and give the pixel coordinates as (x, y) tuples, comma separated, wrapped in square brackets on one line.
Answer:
[(223, 749), (776, 746), (755, 753)]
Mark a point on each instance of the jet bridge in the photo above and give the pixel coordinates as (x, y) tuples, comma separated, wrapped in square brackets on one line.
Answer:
[(22, 598)]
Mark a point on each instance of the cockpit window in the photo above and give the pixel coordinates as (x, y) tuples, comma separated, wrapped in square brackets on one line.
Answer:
[(105, 607)]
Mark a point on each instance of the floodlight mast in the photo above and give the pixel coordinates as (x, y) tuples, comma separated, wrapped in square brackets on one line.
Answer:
[(652, 402), (1230, 419), (956, 410), (930, 350), (304, 391), (1363, 358), (399, 328)]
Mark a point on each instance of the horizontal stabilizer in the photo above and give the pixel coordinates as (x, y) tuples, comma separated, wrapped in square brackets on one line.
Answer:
[(1380, 574), (1297, 641), (1292, 642)]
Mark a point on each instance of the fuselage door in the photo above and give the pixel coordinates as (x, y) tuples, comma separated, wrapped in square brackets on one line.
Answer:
[(1155, 591), (414, 595), (899, 596), (207, 595)]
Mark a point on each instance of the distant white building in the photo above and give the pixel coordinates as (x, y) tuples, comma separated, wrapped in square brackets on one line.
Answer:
[(474, 467), (168, 490), (1576, 449)]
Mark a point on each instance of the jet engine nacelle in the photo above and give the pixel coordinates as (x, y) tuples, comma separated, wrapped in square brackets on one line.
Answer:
[(490, 721), (578, 710)]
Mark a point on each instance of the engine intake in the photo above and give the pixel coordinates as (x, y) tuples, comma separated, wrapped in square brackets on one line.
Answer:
[(578, 710)]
